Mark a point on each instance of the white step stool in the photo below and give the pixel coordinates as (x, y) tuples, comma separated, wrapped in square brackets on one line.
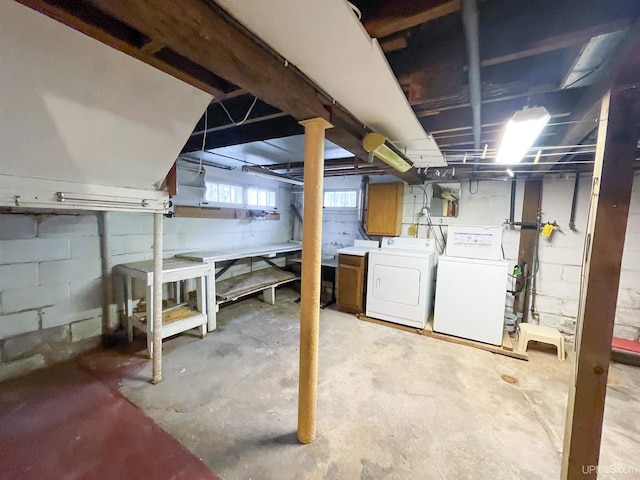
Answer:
[(541, 334)]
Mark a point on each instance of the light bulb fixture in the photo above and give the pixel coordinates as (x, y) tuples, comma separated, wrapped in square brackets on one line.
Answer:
[(522, 130), (270, 174), (378, 146)]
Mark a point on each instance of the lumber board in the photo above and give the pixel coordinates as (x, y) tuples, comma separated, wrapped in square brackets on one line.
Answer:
[(610, 199), (241, 285), (507, 350)]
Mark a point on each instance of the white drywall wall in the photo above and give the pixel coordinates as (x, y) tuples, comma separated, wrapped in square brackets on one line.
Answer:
[(74, 109)]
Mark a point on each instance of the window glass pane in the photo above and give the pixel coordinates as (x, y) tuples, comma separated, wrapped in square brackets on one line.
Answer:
[(341, 199), (223, 193), (261, 198)]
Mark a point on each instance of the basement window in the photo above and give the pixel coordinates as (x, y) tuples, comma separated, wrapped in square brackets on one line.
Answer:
[(261, 197), (224, 194), (341, 199)]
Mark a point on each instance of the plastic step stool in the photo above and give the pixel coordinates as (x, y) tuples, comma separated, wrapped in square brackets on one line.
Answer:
[(542, 334)]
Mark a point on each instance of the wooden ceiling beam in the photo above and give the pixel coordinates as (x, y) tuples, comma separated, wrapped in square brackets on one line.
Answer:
[(203, 34), (584, 119), (91, 21), (404, 14), (249, 132), (499, 110)]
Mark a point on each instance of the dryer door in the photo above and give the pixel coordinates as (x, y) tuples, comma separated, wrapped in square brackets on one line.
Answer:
[(396, 289), (396, 284)]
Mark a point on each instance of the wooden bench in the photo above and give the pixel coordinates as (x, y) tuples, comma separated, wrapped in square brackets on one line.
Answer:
[(233, 288), (265, 280)]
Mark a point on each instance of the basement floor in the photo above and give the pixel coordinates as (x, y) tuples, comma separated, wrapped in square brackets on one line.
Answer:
[(391, 404)]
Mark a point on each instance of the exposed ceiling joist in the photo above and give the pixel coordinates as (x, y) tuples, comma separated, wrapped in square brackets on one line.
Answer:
[(249, 132), (403, 14), (538, 46), (91, 21), (499, 110), (586, 114), (204, 35)]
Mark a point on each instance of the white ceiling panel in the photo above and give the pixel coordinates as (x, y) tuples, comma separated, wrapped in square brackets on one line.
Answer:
[(325, 40)]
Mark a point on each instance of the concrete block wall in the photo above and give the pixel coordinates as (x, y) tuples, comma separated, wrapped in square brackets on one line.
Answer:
[(560, 256), (50, 272), (50, 295)]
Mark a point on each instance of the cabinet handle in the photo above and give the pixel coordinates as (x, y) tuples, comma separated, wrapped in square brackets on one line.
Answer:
[(378, 282)]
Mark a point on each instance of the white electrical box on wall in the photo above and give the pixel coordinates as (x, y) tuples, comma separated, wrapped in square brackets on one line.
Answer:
[(470, 241)]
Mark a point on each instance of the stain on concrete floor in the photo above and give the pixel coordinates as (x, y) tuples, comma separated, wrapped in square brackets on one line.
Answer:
[(390, 404)]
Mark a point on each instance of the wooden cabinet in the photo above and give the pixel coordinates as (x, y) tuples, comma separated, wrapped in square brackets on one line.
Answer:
[(352, 274), (384, 208)]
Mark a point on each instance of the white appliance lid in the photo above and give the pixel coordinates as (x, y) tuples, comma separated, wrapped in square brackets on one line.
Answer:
[(426, 245)]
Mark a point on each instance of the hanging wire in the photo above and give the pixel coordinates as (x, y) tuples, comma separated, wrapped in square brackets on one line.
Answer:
[(237, 124), (204, 140)]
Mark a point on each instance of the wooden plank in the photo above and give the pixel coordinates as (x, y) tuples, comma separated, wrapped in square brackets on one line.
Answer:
[(610, 198), (428, 332), (203, 46), (242, 285), (531, 205), (394, 43), (172, 180), (183, 211), (74, 20), (507, 343), (554, 43), (401, 15), (151, 47), (586, 114)]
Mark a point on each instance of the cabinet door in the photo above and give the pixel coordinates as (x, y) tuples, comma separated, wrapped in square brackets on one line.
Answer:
[(384, 208), (350, 288)]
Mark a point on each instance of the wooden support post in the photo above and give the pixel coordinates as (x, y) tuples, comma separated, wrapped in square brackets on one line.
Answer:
[(530, 210), (610, 196), (156, 355), (311, 273)]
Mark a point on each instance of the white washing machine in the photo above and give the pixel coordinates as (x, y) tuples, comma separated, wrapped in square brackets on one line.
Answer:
[(472, 285), (400, 281)]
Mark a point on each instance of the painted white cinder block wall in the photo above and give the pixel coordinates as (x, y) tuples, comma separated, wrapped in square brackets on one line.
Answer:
[(560, 256), (50, 270)]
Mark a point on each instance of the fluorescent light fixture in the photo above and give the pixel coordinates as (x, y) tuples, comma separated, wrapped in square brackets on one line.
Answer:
[(378, 146), (266, 173), (522, 130)]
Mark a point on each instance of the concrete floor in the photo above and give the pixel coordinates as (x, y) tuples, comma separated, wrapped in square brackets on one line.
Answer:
[(391, 404)]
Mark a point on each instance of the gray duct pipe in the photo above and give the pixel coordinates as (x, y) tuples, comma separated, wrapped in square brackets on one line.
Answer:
[(364, 188), (472, 36)]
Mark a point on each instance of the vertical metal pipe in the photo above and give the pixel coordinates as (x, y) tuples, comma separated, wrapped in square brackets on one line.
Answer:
[(512, 206), (472, 36), (311, 276), (108, 305), (574, 203), (157, 298)]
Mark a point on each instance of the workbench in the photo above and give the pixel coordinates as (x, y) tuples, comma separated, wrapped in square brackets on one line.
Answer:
[(174, 271), (264, 281), (328, 267)]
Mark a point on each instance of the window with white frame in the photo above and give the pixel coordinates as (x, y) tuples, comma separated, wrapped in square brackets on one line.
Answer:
[(261, 197), (341, 199), (224, 194)]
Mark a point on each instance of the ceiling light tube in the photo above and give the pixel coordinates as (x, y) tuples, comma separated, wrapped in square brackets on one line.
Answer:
[(378, 146), (265, 173), (522, 130)]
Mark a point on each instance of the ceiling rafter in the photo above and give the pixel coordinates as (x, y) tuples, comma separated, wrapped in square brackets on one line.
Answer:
[(204, 35)]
